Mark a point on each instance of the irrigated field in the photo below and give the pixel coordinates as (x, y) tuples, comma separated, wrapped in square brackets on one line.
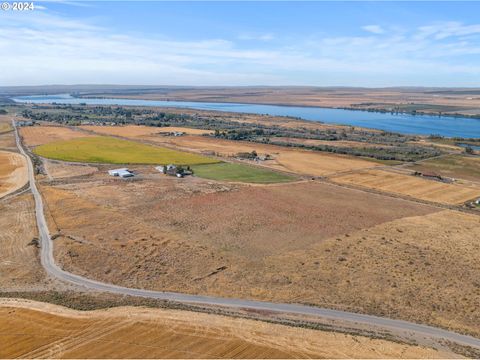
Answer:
[(104, 149), (13, 172), (19, 264), (38, 330), (410, 185), (240, 173), (39, 135)]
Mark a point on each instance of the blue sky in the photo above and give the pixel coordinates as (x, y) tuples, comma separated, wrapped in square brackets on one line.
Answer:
[(370, 44)]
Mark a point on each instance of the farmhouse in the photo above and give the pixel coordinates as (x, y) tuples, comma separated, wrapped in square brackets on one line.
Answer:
[(174, 170), (123, 173)]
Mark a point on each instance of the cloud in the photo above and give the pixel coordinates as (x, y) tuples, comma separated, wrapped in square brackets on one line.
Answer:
[(374, 29), (257, 37), (44, 48)]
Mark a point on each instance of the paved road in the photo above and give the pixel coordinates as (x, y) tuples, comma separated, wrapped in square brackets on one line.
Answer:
[(405, 328)]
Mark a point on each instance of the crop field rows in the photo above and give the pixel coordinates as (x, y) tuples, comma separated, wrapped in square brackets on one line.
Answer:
[(38, 330), (413, 186)]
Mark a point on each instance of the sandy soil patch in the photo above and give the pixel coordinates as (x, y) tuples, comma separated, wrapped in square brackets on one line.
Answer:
[(19, 263), (136, 131), (13, 172), (39, 135), (413, 186), (37, 330)]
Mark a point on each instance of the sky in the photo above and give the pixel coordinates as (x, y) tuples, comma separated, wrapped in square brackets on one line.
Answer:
[(369, 44)]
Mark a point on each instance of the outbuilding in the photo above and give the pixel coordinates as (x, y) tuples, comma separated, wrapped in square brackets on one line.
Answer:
[(123, 173)]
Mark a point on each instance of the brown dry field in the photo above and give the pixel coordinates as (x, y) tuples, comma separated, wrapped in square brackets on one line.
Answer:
[(410, 185), (13, 172), (338, 143), (308, 96), (39, 330), (39, 135), (61, 170), (19, 263), (284, 243), (135, 131), (7, 139), (292, 160)]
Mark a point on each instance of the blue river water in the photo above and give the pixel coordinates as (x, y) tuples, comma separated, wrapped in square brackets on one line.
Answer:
[(401, 123)]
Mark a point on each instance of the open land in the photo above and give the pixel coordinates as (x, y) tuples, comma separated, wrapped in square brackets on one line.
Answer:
[(240, 173), (138, 131), (455, 166), (409, 185), (13, 172), (336, 245), (39, 135), (19, 263), (39, 330), (7, 140)]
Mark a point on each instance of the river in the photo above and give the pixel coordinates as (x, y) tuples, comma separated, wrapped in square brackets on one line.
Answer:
[(401, 123)]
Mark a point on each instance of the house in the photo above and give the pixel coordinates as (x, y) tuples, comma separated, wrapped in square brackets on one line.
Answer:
[(123, 173), (174, 170)]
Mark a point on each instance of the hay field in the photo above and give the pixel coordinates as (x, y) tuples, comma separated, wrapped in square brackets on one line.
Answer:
[(455, 166), (410, 185), (13, 172), (138, 131), (104, 149), (19, 264), (39, 330), (293, 160), (39, 135)]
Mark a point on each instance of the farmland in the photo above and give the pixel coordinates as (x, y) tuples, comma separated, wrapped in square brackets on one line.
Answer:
[(409, 185), (139, 131), (224, 236), (13, 172), (350, 234), (240, 173), (297, 161), (455, 166), (32, 329), (39, 135), (19, 264), (103, 149)]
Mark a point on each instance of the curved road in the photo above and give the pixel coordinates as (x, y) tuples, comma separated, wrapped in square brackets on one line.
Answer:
[(411, 330)]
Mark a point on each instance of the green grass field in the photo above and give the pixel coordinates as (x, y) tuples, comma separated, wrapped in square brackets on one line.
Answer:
[(240, 173), (104, 149)]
